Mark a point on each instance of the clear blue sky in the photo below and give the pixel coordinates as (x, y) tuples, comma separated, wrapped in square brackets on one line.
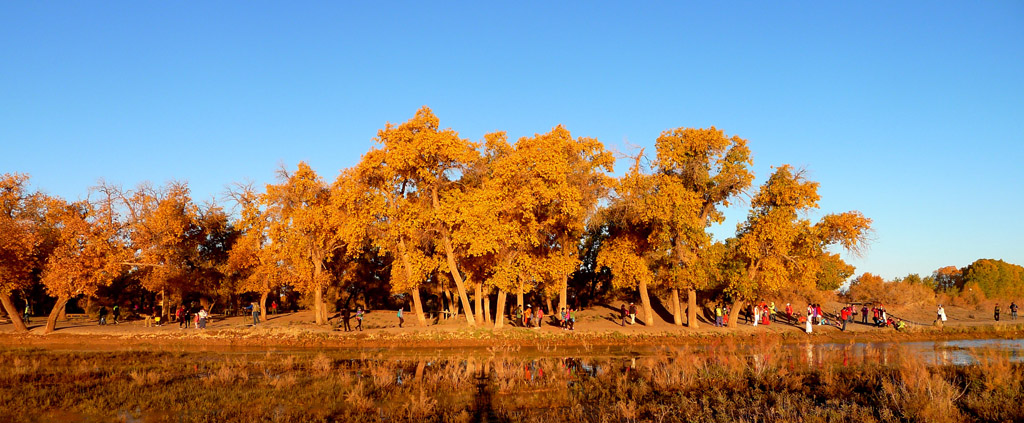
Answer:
[(911, 111)]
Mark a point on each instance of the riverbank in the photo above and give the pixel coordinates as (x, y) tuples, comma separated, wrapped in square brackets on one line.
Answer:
[(292, 331), (837, 383)]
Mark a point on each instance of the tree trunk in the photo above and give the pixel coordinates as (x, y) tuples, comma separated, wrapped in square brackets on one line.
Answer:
[(449, 253), (51, 322), (691, 308), (442, 298), (645, 300), (677, 312), (19, 325), (547, 300), (519, 297), (319, 309), (487, 308), (63, 316), (163, 304), (446, 301), (563, 294), (263, 305), (499, 313), (459, 284), (734, 313), (417, 307), (478, 311), (317, 304)]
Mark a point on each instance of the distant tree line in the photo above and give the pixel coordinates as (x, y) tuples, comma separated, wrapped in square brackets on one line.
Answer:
[(984, 279), (444, 225)]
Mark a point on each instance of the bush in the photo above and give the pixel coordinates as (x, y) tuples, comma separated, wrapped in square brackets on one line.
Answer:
[(869, 288)]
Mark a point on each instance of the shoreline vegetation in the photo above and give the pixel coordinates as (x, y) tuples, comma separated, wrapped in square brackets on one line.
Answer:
[(726, 383), (286, 369)]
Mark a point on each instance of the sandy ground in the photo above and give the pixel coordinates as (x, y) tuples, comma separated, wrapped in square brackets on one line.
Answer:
[(598, 324)]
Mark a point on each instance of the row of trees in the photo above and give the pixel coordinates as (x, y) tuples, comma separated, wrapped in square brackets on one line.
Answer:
[(980, 280), (426, 208)]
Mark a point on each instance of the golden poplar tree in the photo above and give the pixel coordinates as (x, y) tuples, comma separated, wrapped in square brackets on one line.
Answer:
[(697, 172), (635, 250), (569, 176), (420, 167), (395, 216), (253, 259), (89, 251), (19, 235), (776, 247), (660, 216), (166, 232), (303, 223), (498, 227)]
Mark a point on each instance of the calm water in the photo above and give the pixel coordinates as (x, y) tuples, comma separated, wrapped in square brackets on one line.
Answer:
[(955, 352)]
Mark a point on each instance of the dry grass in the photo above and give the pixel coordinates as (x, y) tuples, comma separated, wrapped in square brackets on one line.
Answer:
[(718, 382)]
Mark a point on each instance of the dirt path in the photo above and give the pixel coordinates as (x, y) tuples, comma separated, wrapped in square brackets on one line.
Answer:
[(596, 326)]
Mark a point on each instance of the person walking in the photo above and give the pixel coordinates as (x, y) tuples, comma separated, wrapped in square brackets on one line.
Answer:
[(400, 319), (255, 313), (518, 320), (632, 313), (359, 318), (28, 313), (864, 314), (718, 315), (540, 316), (997, 312), (116, 313), (103, 315), (623, 313), (273, 307), (941, 314), (179, 315), (808, 328), (345, 317), (1013, 311)]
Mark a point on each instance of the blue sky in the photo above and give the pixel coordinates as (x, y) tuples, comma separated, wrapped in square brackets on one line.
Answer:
[(910, 112)]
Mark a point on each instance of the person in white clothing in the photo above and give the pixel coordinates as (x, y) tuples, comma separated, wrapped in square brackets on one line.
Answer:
[(203, 315)]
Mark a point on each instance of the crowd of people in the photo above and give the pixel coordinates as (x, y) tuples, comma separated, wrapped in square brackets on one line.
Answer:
[(759, 312), (533, 317)]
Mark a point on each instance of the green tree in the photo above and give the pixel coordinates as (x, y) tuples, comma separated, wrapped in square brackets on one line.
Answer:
[(996, 278)]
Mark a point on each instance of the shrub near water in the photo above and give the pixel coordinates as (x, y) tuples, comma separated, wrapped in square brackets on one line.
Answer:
[(722, 383)]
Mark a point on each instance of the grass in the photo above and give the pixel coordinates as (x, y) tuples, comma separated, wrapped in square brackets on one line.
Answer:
[(722, 381)]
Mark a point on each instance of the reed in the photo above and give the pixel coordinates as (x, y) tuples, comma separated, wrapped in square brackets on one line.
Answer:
[(720, 383)]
